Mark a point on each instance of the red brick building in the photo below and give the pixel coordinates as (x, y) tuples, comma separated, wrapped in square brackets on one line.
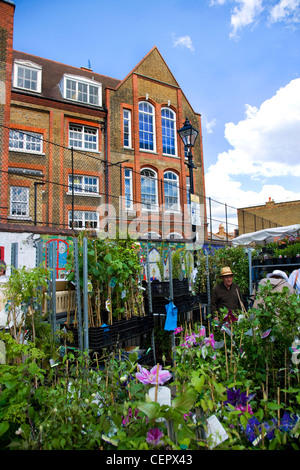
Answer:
[(73, 141)]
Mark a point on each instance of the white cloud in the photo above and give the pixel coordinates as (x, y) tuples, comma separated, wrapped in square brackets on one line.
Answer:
[(184, 41), (248, 12), (285, 10), (265, 144), (245, 14), (209, 125)]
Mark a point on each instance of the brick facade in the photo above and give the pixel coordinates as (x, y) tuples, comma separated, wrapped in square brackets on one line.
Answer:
[(6, 46), (281, 214), (52, 115)]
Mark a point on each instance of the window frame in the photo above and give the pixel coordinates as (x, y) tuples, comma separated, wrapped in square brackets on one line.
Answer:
[(153, 207), (12, 201), (128, 121), (83, 221), (172, 129), (29, 66), (143, 130), (26, 135), (128, 197), (83, 133), (81, 81), (84, 185), (170, 208)]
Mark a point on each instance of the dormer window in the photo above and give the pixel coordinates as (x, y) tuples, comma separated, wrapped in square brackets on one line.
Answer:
[(81, 89), (27, 76)]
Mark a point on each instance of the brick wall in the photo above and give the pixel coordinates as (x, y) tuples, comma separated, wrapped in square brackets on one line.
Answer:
[(6, 43), (251, 219)]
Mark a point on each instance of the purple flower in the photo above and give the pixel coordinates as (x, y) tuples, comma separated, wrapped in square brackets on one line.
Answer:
[(130, 416), (154, 436), (147, 377), (254, 428), (288, 421), (236, 397)]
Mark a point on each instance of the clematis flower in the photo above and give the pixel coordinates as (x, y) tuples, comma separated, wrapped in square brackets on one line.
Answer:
[(230, 317), (210, 341), (190, 340), (244, 409), (147, 377), (236, 397), (254, 428), (154, 436), (130, 416), (177, 330)]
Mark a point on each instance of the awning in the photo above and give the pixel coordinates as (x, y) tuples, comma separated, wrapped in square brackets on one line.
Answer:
[(267, 235)]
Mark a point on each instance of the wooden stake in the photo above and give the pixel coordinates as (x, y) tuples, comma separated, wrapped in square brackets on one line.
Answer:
[(156, 386), (200, 314), (278, 402), (226, 353), (231, 345), (285, 375)]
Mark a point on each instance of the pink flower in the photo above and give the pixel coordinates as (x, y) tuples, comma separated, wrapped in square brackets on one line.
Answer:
[(210, 340), (202, 331), (147, 377), (177, 330), (154, 436), (190, 340), (130, 416), (244, 409)]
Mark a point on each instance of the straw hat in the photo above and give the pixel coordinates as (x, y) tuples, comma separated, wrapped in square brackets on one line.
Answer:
[(226, 272)]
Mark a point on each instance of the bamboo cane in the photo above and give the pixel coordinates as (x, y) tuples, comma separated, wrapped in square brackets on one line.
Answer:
[(110, 321), (200, 314), (285, 375), (156, 386), (278, 402), (231, 345), (226, 353)]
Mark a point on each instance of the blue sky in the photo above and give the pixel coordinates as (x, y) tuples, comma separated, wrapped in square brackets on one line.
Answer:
[(237, 61)]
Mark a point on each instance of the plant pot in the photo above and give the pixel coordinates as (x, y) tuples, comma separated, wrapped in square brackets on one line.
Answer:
[(287, 260)]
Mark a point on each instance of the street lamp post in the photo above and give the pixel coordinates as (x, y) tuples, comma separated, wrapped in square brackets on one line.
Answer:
[(188, 135)]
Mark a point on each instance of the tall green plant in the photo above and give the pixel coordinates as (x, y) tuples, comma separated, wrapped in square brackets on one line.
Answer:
[(24, 294)]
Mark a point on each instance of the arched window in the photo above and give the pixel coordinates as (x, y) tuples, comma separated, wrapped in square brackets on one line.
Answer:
[(168, 127), (171, 191), (149, 197), (146, 126)]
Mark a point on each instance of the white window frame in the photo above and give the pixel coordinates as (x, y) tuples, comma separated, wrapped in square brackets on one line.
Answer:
[(79, 82), (82, 132), (82, 185), (169, 129), (153, 207), (127, 128), (19, 202), (81, 219), (146, 115), (128, 189), (29, 67), (175, 183), (27, 141)]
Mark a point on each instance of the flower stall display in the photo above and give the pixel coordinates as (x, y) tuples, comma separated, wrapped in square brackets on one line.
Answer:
[(234, 382)]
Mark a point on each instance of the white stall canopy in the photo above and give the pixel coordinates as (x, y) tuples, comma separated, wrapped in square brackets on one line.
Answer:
[(267, 235)]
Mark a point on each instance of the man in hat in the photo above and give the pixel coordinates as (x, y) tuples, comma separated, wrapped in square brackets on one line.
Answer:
[(226, 294)]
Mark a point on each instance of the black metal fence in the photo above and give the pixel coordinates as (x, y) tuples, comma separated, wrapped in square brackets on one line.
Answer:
[(49, 185)]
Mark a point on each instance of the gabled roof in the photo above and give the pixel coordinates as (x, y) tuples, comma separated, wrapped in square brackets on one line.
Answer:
[(144, 68), (52, 73)]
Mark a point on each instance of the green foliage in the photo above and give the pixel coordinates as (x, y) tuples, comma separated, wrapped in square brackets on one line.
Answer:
[(234, 257), (72, 403)]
